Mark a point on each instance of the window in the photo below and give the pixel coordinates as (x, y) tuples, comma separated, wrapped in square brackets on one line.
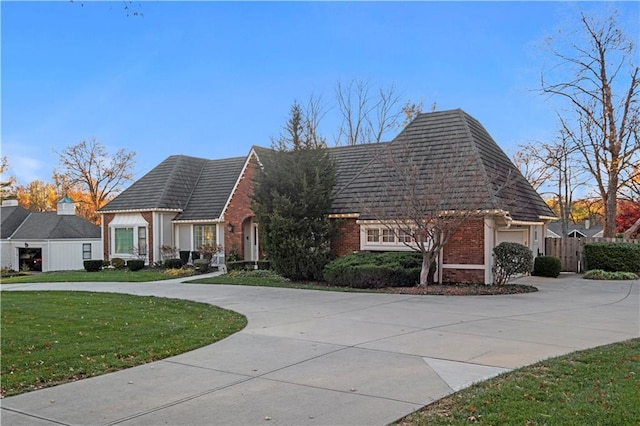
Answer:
[(373, 235), (142, 240), (388, 236), (86, 251), (204, 235), (404, 237), (123, 241)]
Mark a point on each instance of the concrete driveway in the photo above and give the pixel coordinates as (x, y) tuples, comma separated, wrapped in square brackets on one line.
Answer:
[(320, 358)]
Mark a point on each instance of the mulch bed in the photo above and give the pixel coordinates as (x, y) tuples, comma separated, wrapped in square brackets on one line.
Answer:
[(463, 289)]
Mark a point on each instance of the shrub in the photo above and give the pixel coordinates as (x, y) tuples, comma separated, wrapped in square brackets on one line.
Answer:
[(510, 259), (92, 265), (375, 270), (173, 263), (178, 272), (118, 263), (547, 266), (135, 264), (201, 265), (624, 257), (106, 263), (248, 265), (599, 274)]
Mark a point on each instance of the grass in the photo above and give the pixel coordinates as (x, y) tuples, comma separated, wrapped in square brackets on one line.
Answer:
[(106, 275), (599, 386), (54, 337)]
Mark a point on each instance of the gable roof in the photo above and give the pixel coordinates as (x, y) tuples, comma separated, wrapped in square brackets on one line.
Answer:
[(195, 188), (45, 226), (10, 219), (433, 140), (576, 228)]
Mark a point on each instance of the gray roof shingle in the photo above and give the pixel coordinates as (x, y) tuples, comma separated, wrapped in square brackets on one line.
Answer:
[(483, 176), (11, 218), (196, 188), (52, 226)]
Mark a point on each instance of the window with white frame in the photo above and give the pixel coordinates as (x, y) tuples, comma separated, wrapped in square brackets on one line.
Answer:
[(122, 240), (142, 240), (373, 235), (388, 236), (86, 251), (204, 235), (404, 237)]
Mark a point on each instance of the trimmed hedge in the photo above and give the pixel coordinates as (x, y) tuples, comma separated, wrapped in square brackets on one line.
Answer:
[(92, 265), (613, 257), (135, 264), (118, 263), (201, 265), (599, 274), (547, 266), (510, 259), (375, 270), (248, 265), (173, 263)]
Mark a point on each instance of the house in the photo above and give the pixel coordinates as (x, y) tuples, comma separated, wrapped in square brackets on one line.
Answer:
[(186, 202), (575, 230), (47, 241)]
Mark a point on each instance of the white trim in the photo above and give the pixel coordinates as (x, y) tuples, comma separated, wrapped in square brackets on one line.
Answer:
[(139, 211), (462, 266), (489, 244)]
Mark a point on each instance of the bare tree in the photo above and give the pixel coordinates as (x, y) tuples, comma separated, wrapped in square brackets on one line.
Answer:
[(531, 160), (7, 183), (424, 203), (366, 117), (602, 94), (88, 165)]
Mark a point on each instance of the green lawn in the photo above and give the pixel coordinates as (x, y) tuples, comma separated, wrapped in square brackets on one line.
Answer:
[(599, 386), (53, 337), (106, 275)]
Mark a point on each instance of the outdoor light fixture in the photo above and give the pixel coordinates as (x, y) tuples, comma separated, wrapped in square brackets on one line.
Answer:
[(230, 227), (26, 245)]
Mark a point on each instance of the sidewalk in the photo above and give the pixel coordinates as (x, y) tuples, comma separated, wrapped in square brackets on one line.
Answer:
[(323, 358)]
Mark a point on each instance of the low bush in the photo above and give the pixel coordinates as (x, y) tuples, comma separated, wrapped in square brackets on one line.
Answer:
[(599, 274), (248, 265), (178, 272), (612, 257), (92, 265), (118, 263), (510, 259), (135, 264), (201, 265), (375, 270), (547, 266), (106, 263), (173, 263)]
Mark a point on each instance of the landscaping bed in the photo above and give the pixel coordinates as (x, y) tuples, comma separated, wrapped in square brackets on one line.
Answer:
[(463, 289)]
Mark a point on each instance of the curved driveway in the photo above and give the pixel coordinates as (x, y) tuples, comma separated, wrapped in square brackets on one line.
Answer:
[(318, 358)]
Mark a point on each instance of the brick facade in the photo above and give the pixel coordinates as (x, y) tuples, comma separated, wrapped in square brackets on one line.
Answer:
[(466, 247), (463, 276), (239, 210), (106, 220), (347, 239)]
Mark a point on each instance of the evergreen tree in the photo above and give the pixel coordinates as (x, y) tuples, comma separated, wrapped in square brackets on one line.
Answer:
[(292, 196)]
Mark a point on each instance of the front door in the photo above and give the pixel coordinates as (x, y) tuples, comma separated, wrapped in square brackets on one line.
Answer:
[(250, 239)]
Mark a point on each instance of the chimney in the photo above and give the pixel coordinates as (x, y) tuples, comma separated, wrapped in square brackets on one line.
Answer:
[(66, 206), (587, 224), (10, 203)]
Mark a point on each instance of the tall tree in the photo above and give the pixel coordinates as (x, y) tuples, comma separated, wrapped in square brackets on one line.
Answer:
[(367, 116), (7, 183), (292, 194), (88, 165), (38, 196), (602, 93)]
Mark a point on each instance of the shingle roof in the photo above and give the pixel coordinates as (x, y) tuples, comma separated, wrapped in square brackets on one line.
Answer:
[(197, 187), (450, 138), (51, 226), (556, 227), (10, 219)]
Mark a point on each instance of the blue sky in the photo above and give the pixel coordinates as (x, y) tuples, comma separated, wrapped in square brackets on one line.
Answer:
[(211, 79)]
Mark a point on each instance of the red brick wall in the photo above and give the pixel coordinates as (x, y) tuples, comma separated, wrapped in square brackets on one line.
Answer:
[(467, 245), (239, 209), (347, 239), (106, 220), (463, 276)]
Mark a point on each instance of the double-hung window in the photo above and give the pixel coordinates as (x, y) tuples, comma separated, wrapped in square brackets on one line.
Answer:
[(123, 240), (86, 251), (204, 235)]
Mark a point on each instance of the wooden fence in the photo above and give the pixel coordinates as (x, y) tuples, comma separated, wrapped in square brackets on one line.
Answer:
[(571, 250)]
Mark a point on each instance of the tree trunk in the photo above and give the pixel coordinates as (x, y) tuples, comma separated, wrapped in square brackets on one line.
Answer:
[(424, 272), (610, 210)]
